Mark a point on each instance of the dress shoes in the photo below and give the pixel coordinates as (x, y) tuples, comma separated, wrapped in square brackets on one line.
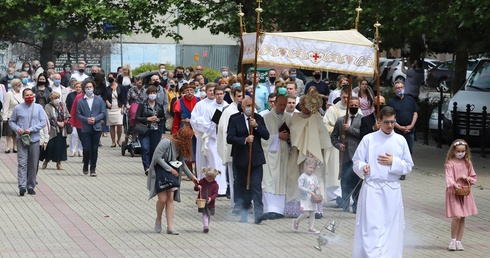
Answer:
[(22, 191), (7, 151), (158, 228), (261, 218), (402, 177), (273, 215), (318, 215), (85, 169), (31, 192), (172, 232), (15, 151), (45, 164), (93, 174)]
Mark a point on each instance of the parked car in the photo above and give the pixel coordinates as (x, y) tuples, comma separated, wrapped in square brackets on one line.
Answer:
[(475, 93), (382, 64), (395, 73), (440, 77), (434, 120)]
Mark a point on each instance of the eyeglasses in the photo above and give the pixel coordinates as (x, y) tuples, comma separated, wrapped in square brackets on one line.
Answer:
[(389, 121), (459, 143)]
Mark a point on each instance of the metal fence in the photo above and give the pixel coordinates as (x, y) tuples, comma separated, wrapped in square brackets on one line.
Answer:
[(212, 56)]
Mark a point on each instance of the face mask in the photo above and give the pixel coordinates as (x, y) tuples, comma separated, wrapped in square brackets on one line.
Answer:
[(272, 79), (110, 80), (89, 92), (316, 76), (225, 74), (292, 76), (26, 69), (138, 86), (187, 73), (94, 74), (10, 76), (236, 85), (56, 102), (171, 85), (25, 80), (400, 92), (164, 78), (460, 155), (248, 111), (152, 96), (67, 69), (203, 94), (180, 76), (81, 70), (41, 83), (156, 83), (353, 110), (162, 70), (29, 99), (57, 82), (281, 91)]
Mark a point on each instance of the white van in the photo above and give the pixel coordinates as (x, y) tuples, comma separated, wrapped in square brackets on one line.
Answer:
[(475, 93)]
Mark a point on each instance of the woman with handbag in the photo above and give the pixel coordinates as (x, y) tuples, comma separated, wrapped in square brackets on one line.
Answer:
[(58, 118), (151, 121), (164, 174)]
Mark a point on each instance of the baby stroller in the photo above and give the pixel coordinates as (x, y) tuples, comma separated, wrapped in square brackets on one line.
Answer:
[(131, 142)]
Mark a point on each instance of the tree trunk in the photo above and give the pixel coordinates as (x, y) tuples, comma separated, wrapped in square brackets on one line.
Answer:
[(461, 64), (47, 50)]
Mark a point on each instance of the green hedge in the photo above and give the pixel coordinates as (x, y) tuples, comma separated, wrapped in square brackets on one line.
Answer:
[(209, 73)]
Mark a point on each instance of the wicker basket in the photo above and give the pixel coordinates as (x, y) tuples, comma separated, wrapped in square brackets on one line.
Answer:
[(201, 203), (465, 189)]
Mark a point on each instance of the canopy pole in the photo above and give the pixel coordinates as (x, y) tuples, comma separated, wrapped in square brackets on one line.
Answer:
[(242, 28), (258, 10), (378, 87)]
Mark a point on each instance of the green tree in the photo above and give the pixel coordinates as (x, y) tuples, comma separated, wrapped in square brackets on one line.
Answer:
[(42, 23)]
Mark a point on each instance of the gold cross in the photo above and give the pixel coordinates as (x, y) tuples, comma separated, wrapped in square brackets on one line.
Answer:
[(240, 6)]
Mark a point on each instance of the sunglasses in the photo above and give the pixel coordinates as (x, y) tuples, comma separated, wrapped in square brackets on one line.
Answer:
[(389, 121)]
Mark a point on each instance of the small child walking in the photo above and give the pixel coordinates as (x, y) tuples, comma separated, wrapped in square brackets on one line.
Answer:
[(459, 169), (307, 184), (208, 189)]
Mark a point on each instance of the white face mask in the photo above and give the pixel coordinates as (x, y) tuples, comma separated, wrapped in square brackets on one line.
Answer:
[(248, 111), (225, 74), (152, 96), (460, 155), (203, 94), (162, 70), (56, 102)]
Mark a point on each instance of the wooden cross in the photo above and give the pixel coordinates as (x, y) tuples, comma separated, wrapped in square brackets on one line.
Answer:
[(240, 6)]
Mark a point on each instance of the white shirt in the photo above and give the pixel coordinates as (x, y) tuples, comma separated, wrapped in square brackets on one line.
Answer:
[(90, 100), (79, 77)]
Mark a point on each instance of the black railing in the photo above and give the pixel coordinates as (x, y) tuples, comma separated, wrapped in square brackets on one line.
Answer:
[(474, 124)]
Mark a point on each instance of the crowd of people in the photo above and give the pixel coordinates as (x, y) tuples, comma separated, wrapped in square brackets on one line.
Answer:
[(282, 149)]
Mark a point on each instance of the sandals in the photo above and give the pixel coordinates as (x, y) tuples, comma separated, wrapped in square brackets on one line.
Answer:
[(313, 231)]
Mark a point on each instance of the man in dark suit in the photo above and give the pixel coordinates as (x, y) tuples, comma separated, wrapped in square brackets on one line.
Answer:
[(368, 123), (238, 135), (91, 110), (348, 179)]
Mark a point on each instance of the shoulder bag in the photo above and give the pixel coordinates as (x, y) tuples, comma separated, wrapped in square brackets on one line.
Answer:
[(26, 138), (165, 179)]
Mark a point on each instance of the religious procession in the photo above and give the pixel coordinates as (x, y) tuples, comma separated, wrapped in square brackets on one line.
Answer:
[(283, 148)]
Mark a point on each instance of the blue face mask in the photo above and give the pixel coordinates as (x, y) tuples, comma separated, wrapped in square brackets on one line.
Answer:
[(10, 76), (292, 76), (89, 92), (25, 80), (164, 78), (236, 85), (57, 82), (400, 92), (281, 91)]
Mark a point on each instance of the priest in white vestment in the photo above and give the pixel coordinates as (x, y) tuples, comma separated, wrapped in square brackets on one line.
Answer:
[(276, 151), (212, 158), (381, 158), (224, 149), (308, 135), (201, 123)]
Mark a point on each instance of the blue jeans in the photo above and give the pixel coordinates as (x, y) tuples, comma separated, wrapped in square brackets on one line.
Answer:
[(90, 143), (409, 137), (149, 142)]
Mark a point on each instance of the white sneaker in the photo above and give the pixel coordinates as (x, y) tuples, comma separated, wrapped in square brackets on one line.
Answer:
[(459, 246), (452, 246)]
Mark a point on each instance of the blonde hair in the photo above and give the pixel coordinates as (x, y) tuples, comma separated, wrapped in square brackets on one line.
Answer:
[(54, 95), (210, 172), (452, 150)]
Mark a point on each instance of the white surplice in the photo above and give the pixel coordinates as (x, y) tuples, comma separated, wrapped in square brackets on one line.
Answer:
[(380, 218), (224, 149), (201, 123), (275, 170)]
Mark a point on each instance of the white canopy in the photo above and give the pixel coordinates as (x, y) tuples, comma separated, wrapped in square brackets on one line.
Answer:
[(342, 51)]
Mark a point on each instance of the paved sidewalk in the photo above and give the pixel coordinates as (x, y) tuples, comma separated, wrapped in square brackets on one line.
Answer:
[(74, 215)]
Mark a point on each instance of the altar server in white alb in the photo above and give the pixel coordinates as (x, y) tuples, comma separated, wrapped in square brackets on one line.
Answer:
[(381, 158)]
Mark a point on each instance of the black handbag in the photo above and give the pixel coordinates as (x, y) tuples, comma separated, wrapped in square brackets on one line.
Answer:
[(69, 128), (164, 179), (140, 128)]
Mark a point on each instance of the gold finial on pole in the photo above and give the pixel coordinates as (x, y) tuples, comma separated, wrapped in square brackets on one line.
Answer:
[(358, 10)]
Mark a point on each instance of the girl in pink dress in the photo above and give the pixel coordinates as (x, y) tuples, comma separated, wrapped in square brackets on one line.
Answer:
[(459, 169)]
